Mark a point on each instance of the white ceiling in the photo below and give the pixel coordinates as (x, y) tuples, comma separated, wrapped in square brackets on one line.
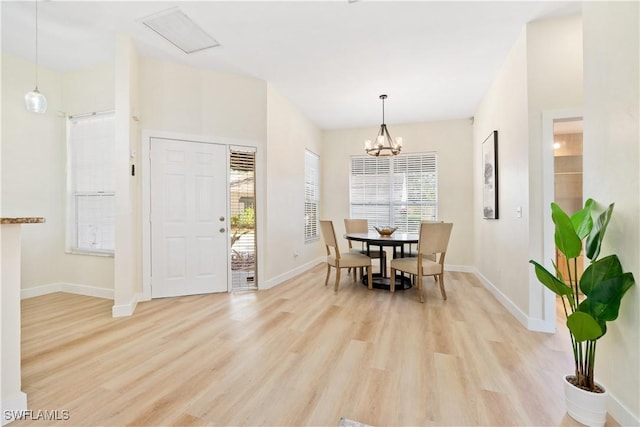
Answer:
[(332, 59)]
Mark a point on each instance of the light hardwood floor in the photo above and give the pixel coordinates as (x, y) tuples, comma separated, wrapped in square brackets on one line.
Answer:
[(295, 355)]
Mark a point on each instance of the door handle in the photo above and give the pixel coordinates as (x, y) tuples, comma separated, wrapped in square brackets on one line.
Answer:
[(221, 218), (222, 230)]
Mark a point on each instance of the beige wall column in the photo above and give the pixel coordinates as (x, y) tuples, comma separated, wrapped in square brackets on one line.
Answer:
[(12, 397), (127, 280), (612, 174)]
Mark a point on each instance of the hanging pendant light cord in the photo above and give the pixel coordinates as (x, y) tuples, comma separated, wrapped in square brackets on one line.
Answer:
[(36, 45), (36, 102)]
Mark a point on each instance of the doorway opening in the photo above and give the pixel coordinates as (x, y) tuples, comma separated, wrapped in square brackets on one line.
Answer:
[(567, 160), (561, 176)]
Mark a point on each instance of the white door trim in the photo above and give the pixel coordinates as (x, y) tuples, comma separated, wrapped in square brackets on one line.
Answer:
[(548, 195), (145, 176)]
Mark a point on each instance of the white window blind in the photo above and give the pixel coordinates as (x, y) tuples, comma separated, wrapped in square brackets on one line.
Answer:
[(91, 219), (395, 191), (311, 195)]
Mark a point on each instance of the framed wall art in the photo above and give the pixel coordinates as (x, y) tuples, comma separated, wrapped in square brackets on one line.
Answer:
[(490, 176)]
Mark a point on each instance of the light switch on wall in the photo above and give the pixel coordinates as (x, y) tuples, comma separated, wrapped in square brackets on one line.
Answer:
[(519, 212)]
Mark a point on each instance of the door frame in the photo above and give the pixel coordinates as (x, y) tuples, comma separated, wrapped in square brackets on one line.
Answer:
[(145, 187), (548, 195)]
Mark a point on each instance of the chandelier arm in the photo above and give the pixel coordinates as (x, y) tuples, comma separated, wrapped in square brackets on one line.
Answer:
[(381, 132), (388, 137)]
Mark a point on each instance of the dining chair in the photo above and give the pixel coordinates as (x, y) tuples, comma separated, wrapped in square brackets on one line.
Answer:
[(433, 240), (337, 260), (414, 253), (357, 225)]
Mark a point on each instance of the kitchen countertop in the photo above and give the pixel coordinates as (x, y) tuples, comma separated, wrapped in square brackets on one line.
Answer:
[(25, 220)]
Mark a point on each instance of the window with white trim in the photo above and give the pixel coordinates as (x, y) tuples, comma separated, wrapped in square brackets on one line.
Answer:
[(311, 195), (91, 183), (397, 191)]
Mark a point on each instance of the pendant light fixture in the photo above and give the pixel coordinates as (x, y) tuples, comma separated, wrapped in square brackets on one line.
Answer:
[(384, 145), (34, 100)]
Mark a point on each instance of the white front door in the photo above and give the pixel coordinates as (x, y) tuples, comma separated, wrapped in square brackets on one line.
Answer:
[(189, 240)]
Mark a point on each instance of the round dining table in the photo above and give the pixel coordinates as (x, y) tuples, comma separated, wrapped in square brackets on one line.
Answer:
[(397, 241)]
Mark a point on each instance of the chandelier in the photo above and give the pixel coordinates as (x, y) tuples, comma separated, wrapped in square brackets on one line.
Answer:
[(384, 145)]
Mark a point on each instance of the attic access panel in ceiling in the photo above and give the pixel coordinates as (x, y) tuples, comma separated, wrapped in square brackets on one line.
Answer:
[(177, 28)]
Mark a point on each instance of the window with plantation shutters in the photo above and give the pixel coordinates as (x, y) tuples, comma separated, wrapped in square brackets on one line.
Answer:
[(311, 195), (397, 191), (91, 163)]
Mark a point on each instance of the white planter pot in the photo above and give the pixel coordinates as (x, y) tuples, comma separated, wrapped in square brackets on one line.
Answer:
[(584, 406)]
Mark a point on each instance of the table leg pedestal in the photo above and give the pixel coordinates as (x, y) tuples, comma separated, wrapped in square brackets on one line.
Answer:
[(402, 283)]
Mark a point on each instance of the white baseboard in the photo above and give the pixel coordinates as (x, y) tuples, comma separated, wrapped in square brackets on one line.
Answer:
[(13, 406), (621, 413), (459, 268), (72, 288), (127, 309), (540, 325), (268, 284), (503, 299), (532, 324)]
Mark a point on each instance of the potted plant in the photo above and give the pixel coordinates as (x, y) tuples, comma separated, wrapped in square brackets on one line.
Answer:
[(589, 301)]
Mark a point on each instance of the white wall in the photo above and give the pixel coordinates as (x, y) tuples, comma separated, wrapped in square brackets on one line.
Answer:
[(88, 90), (501, 245), (612, 174), (289, 133), (33, 162), (543, 71), (178, 98), (34, 168), (451, 139)]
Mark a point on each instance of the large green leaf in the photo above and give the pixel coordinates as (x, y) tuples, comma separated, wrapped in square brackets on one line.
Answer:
[(599, 271), (567, 241), (582, 221), (605, 284), (583, 327), (550, 281), (594, 239)]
